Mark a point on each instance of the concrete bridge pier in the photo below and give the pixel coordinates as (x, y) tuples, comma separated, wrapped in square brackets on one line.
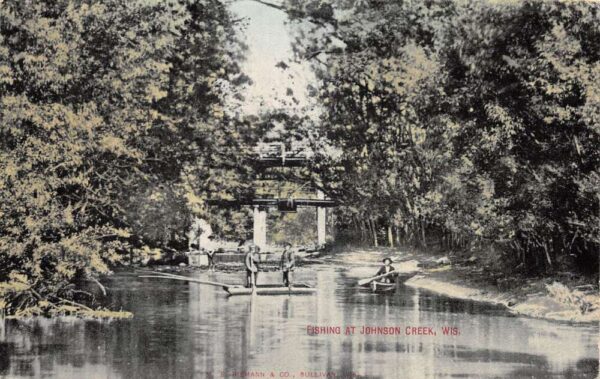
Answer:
[(260, 226), (321, 221)]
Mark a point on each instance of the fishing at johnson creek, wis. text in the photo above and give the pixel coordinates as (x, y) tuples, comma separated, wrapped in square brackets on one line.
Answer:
[(383, 330)]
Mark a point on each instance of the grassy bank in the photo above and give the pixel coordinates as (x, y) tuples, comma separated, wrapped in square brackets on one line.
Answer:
[(559, 296)]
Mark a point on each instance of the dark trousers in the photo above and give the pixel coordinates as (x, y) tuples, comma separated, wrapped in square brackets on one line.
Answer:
[(287, 276), (249, 278)]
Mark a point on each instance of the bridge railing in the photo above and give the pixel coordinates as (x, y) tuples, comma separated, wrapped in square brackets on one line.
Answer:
[(277, 154)]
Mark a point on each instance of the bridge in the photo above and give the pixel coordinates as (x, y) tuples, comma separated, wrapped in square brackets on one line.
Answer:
[(274, 191)]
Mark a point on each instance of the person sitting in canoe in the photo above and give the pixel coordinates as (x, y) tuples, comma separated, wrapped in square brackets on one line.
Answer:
[(386, 268), (288, 263), (251, 262)]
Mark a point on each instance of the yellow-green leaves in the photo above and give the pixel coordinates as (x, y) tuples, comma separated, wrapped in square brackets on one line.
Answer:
[(476, 121), (101, 106)]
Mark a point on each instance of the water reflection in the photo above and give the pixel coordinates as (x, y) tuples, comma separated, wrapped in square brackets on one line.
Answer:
[(185, 330)]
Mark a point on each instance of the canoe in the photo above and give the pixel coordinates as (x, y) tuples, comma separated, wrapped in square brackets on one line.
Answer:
[(400, 278), (271, 289), (382, 287)]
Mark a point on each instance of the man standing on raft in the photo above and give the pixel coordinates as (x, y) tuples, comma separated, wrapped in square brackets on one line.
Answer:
[(288, 263), (251, 260)]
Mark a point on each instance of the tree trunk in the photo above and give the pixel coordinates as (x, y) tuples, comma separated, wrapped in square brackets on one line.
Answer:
[(390, 236), (374, 230), (423, 234), (365, 230), (359, 227), (548, 256), (398, 241)]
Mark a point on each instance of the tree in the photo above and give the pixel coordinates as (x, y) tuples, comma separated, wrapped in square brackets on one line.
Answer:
[(108, 110), (474, 122)]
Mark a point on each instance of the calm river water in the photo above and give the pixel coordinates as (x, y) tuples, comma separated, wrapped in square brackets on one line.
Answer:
[(183, 330)]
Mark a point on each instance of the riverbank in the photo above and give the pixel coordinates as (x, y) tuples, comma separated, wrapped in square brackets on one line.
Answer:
[(527, 301), (560, 297), (555, 298)]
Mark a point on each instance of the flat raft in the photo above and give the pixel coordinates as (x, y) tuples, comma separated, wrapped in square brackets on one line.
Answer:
[(271, 289)]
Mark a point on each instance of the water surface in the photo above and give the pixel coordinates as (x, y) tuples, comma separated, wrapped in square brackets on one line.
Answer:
[(183, 330)]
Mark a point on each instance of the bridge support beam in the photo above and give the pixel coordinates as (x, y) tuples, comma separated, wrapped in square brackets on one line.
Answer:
[(260, 226), (321, 221)]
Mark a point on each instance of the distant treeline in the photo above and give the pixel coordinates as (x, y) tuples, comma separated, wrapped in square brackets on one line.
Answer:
[(473, 123)]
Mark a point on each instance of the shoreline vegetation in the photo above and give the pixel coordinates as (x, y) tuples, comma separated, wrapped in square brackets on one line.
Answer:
[(552, 298), (470, 127), (549, 306), (460, 276), (554, 301)]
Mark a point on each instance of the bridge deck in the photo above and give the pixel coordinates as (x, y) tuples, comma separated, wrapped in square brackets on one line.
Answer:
[(323, 203)]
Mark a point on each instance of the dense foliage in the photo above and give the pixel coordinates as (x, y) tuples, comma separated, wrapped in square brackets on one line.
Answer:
[(469, 123), (112, 133)]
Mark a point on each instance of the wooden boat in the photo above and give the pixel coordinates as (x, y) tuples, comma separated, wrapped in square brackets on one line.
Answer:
[(271, 289), (377, 286)]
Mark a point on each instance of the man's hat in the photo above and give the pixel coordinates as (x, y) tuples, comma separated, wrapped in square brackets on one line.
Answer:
[(387, 259)]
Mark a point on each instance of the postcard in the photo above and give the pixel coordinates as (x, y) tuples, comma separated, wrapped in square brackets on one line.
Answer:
[(299, 189)]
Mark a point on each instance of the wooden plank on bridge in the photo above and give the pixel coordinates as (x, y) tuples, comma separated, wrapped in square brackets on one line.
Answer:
[(324, 203)]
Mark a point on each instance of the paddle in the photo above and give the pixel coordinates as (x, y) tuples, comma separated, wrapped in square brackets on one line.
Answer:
[(165, 275), (362, 282), (174, 276), (192, 280), (150, 272)]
